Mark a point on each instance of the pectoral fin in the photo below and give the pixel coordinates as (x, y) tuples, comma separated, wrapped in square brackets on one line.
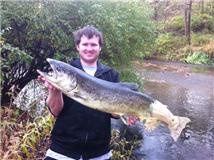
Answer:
[(78, 95), (150, 124), (124, 119)]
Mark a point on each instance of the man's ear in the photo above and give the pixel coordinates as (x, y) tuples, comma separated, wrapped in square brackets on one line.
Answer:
[(77, 47)]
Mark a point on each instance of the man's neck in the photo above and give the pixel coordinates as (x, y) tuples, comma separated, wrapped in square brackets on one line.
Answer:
[(93, 64)]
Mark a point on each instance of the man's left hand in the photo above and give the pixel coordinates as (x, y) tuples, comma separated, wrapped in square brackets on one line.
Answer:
[(132, 120)]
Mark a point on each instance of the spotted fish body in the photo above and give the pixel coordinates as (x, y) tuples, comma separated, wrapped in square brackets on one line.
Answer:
[(114, 98)]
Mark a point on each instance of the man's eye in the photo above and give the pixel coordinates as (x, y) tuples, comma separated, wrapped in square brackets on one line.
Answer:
[(94, 45)]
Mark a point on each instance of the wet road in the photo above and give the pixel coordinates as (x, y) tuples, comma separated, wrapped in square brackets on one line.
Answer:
[(188, 90)]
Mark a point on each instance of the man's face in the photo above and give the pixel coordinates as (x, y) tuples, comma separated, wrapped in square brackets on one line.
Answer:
[(89, 49)]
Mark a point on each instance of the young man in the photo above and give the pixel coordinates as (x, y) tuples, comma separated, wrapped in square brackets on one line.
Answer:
[(80, 132)]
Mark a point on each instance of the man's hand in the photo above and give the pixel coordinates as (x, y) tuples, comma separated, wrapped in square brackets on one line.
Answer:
[(46, 83), (55, 99), (132, 120)]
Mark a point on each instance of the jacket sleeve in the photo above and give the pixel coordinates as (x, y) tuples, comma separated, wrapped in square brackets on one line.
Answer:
[(115, 76)]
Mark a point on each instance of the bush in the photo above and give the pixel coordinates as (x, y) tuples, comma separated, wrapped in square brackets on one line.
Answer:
[(199, 23), (200, 39), (202, 23), (198, 57), (209, 49), (204, 43), (175, 24), (164, 43), (122, 148), (168, 43)]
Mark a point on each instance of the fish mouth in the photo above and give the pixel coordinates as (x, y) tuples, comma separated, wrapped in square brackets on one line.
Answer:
[(54, 72), (50, 75), (58, 77)]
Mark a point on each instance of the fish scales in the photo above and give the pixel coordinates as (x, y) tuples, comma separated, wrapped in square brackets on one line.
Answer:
[(124, 98)]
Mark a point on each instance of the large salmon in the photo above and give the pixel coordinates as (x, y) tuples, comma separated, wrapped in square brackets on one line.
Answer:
[(115, 98)]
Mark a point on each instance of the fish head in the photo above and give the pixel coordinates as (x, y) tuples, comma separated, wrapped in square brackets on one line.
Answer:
[(63, 75)]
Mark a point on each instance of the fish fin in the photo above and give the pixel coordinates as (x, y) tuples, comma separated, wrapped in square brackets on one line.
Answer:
[(41, 73), (176, 129), (150, 124), (79, 96), (132, 86), (124, 119)]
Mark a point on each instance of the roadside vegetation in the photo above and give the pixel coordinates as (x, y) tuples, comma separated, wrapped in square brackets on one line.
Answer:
[(31, 31), (185, 37)]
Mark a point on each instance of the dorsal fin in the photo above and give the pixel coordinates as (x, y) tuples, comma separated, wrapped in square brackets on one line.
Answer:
[(132, 86)]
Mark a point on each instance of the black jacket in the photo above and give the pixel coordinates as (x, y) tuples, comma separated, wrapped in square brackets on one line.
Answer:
[(79, 130)]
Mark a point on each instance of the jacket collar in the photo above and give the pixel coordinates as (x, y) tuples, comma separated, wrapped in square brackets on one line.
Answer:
[(101, 68)]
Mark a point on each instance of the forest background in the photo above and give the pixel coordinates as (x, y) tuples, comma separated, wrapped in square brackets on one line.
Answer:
[(31, 31)]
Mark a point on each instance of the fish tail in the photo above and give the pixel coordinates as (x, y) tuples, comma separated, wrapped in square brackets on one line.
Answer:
[(180, 124), (175, 123)]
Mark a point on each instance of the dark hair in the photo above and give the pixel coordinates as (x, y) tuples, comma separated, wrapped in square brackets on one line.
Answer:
[(88, 31)]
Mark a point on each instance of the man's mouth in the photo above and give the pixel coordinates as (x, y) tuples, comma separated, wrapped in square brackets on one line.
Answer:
[(89, 52)]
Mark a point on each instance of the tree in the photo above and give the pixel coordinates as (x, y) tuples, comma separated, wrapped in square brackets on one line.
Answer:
[(187, 17)]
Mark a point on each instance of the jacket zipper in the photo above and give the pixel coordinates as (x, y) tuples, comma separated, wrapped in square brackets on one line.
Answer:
[(86, 138)]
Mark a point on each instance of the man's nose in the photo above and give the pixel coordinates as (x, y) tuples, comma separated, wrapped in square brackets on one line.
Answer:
[(89, 47)]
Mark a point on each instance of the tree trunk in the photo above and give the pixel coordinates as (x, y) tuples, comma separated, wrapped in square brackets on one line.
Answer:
[(187, 12), (156, 10), (202, 6)]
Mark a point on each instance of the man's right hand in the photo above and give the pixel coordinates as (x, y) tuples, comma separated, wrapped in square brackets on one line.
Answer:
[(45, 83), (54, 100)]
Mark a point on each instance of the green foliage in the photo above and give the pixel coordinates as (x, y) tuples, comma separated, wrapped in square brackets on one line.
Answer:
[(175, 24), (128, 75), (34, 132), (127, 28), (122, 148), (168, 43), (198, 57), (21, 134), (200, 39), (202, 23), (164, 43), (38, 24), (173, 46), (44, 29), (199, 23), (15, 54), (128, 31), (10, 56)]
